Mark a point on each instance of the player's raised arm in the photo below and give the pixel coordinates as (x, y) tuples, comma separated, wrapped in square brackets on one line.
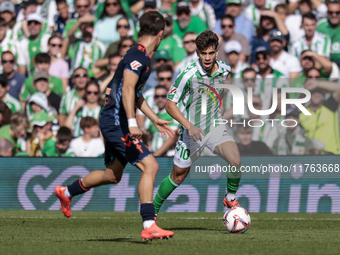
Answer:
[(128, 96)]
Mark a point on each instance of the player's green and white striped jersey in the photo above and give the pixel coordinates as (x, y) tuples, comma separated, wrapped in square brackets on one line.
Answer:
[(321, 44), (157, 140), (254, 14), (12, 46), (193, 86), (85, 54), (84, 112), (186, 62), (264, 87), (29, 49), (68, 101), (12, 103), (237, 73)]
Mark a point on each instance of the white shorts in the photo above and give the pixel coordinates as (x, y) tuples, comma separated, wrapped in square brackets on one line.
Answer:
[(188, 150)]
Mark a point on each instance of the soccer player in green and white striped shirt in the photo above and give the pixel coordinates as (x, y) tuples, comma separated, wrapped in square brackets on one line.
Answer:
[(161, 146), (87, 50), (12, 103), (312, 40), (69, 100), (198, 130)]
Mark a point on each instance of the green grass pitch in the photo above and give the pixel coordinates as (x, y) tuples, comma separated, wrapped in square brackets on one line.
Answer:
[(49, 232)]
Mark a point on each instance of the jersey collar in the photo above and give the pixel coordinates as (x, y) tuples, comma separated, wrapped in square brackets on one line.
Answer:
[(205, 73)]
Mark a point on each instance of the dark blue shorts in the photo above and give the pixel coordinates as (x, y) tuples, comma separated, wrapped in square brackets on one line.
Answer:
[(121, 146)]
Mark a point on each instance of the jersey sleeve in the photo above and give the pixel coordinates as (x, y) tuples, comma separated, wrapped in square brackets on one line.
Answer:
[(135, 62), (179, 88), (62, 107)]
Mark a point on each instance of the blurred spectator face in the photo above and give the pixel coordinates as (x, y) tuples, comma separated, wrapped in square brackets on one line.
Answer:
[(307, 62), (5, 148), (165, 79), (227, 26), (161, 98), (183, 18), (62, 8), (62, 146), (54, 47), (276, 46), (309, 26), (92, 94), (45, 129), (113, 63), (112, 7), (249, 80), (93, 131), (125, 46), (316, 97), (333, 13), (244, 136), (40, 1), (82, 7), (8, 62), (43, 66), (260, 3), (282, 13), (19, 131), (80, 78), (41, 85), (257, 104), (290, 122), (262, 61), (189, 43), (304, 7), (7, 16), (34, 27), (234, 10), (3, 90), (313, 74), (3, 30), (35, 107), (167, 29), (233, 58), (123, 27), (267, 23), (87, 31)]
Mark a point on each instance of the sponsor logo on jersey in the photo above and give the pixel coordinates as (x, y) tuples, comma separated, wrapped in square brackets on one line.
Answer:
[(135, 64), (173, 91)]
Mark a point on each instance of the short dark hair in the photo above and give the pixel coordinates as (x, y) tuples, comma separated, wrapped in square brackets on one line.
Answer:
[(6, 114), (61, 2), (42, 58), (3, 22), (309, 16), (228, 16), (114, 55), (206, 39), (165, 68), (151, 23), (161, 87), (64, 134), (88, 122), (248, 70), (52, 37), (8, 52), (125, 39), (78, 69)]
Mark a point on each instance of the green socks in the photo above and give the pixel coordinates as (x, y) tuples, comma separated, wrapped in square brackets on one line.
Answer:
[(166, 188), (234, 178)]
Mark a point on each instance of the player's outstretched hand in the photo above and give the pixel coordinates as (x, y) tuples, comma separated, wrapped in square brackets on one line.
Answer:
[(135, 132), (195, 133), (164, 129)]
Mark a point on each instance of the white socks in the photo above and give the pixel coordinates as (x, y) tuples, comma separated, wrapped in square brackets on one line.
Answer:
[(148, 223), (67, 193), (230, 197)]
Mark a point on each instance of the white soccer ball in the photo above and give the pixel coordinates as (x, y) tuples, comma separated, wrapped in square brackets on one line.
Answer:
[(236, 220)]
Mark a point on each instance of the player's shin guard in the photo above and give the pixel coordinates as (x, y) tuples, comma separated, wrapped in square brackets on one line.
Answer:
[(76, 188), (166, 188), (234, 177)]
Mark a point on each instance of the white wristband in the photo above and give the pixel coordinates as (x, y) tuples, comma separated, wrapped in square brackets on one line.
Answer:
[(132, 122)]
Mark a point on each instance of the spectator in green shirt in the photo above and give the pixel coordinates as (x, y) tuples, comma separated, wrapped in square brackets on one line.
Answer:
[(19, 124), (185, 22), (59, 147)]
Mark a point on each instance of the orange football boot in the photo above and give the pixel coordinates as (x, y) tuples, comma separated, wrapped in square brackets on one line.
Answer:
[(231, 204), (64, 201), (155, 232)]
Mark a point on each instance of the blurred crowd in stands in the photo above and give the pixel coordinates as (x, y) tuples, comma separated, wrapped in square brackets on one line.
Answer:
[(58, 56)]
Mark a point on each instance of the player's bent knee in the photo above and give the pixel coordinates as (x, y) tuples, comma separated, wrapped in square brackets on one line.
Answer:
[(235, 162)]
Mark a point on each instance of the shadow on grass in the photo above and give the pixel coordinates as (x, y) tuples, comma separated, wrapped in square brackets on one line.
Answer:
[(206, 229), (128, 240)]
